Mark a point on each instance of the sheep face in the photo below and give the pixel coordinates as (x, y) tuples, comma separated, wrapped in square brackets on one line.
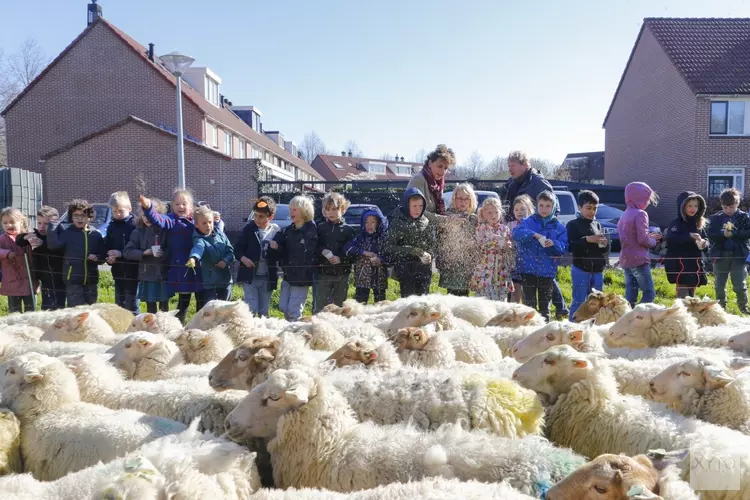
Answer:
[(192, 341), (415, 315), (612, 477), (553, 372), (213, 313), (21, 372), (354, 352), (594, 302), (515, 316), (68, 328), (242, 363), (695, 305), (146, 322), (133, 347), (257, 415), (410, 338), (698, 374), (552, 334), (740, 342), (632, 328)]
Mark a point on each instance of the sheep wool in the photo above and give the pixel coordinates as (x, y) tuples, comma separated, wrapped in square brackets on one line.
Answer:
[(21, 332), (53, 349), (473, 346), (238, 318), (145, 356), (319, 334), (422, 347), (350, 327), (10, 443), (159, 322), (118, 318), (85, 326), (199, 347)]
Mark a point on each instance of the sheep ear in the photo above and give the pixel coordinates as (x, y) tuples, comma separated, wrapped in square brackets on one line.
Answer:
[(576, 336), (346, 310), (663, 313), (306, 335), (298, 395), (79, 319), (661, 459), (145, 343), (148, 318), (204, 341), (529, 315), (739, 363), (264, 354), (580, 363), (173, 312), (435, 315), (717, 378), (32, 375)]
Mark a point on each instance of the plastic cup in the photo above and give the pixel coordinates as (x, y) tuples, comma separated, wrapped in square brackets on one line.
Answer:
[(156, 249), (327, 254)]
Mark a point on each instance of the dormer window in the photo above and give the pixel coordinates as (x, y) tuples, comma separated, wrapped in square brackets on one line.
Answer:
[(212, 90), (375, 168)]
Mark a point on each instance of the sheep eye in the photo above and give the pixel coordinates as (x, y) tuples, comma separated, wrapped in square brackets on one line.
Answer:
[(10, 371), (206, 313), (683, 374), (242, 357), (600, 489), (272, 398), (639, 317), (550, 336)]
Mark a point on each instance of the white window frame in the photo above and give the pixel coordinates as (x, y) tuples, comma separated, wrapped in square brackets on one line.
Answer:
[(215, 138), (241, 149), (736, 171), (338, 165), (212, 90), (746, 127), (405, 167), (228, 143), (381, 168)]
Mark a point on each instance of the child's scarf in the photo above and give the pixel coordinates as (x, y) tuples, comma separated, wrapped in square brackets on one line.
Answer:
[(435, 188), (545, 220)]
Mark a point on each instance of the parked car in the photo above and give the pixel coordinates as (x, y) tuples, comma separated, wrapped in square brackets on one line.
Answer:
[(281, 216), (353, 215), (101, 220), (567, 205), (481, 196), (609, 216)]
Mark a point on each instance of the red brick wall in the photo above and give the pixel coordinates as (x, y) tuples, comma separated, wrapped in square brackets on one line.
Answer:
[(113, 161), (650, 132), (97, 83)]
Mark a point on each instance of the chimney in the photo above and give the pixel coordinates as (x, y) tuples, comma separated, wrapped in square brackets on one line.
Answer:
[(343, 153), (402, 158), (350, 153), (151, 52), (94, 12), (396, 157)]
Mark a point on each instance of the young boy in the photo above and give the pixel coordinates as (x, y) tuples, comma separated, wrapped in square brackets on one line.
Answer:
[(334, 267), (258, 270), (728, 234), (124, 272), (47, 263), (410, 243), (83, 248), (370, 272), (589, 246), (212, 248), (541, 241)]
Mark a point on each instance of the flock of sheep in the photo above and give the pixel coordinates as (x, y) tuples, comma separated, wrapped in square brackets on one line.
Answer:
[(437, 397)]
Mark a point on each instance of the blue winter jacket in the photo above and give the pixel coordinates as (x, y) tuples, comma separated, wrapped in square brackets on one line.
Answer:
[(210, 250), (118, 236), (366, 242), (533, 258), (249, 245), (178, 241)]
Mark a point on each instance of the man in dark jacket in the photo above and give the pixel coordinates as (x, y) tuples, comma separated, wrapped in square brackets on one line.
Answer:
[(335, 266), (410, 243), (47, 263), (589, 246)]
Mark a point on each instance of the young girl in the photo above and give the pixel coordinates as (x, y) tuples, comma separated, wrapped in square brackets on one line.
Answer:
[(178, 228), (496, 259), (686, 241), (635, 242), (297, 245), (15, 280), (212, 249), (144, 246), (370, 271), (523, 207)]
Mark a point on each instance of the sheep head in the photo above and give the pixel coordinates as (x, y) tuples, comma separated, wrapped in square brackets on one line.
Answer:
[(256, 416), (34, 383), (695, 305), (241, 364), (134, 346), (631, 330), (595, 301), (214, 313), (191, 341), (416, 314), (615, 477), (353, 352), (518, 315), (696, 374), (410, 338), (332, 308), (554, 371), (740, 342), (551, 334), (147, 322), (70, 327)]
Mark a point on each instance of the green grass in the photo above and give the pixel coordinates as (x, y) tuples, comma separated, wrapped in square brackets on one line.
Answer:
[(613, 281)]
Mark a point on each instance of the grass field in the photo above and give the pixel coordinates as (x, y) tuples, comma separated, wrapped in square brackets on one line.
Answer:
[(613, 281)]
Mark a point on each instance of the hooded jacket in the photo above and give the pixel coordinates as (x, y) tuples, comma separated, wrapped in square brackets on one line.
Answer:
[(150, 268), (249, 245), (297, 253), (633, 227), (684, 262), (531, 183), (210, 249), (408, 238), (533, 258), (365, 274)]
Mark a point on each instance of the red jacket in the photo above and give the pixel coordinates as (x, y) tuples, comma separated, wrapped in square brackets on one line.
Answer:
[(15, 275)]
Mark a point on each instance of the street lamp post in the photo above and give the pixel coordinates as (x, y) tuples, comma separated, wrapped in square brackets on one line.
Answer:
[(177, 64)]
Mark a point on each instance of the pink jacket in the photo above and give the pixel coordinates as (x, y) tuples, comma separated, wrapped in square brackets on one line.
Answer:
[(633, 227), (15, 278)]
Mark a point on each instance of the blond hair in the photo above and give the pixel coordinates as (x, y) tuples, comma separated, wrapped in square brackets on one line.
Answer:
[(16, 215), (159, 206), (468, 190), (305, 205), (519, 157), (336, 200), (526, 201), (495, 202), (120, 199), (47, 211), (184, 192), (203, 212)]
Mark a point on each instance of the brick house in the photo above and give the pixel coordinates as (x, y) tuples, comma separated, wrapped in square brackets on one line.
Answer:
[(102, 117), (680, 117), (585, 167), (345, 167)]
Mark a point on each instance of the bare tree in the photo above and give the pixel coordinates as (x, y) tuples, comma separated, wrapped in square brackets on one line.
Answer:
[(312, 146), (546, 167), (473, 168), (420, 156), (386, 156), (497, 168), (563, 174), (25, 64), (351, 145)]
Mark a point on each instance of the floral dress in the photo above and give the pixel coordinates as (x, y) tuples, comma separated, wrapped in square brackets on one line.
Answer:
[(492, 274)]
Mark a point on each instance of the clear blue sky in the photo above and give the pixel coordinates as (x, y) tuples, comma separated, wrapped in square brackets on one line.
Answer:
[(395, 75)]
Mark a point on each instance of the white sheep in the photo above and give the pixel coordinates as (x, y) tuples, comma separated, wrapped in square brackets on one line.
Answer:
[(10, 443), (350, 327), (706, 390), (361, 351), (318, 334), (426, 347), (86, 326), (181, 400), (422, 313), (199, 347), (187, 371), (709, 313), (588, 414), (188, 465), (313, 420), (21, 333), (145, 356), (117, 317), (740, 342), (43, 393), (10, 349), (602, 307), (159, 322), (518, 315), (239, 320)]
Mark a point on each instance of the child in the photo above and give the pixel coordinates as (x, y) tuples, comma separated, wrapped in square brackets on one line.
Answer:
[(410, 243), (370, 271), (124, 272), (523, 206), (258, 269), (211, 247), (144, 246), (83, 248), (14, 259), (496, 259), (728, 233), (635, 242), (541, 241), (686, 240), (47, 263), (334, 266), (589, 246), (297, 245), (178, 229)]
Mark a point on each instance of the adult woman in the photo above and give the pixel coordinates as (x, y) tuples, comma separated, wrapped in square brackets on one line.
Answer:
[(431, 180)]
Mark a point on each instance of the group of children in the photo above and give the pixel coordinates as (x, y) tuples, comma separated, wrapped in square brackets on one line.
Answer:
[(183, 251)]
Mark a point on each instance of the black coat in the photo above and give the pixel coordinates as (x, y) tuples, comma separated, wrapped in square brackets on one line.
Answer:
[(118, 236), (76, 245), (298, 253), (248, 245), (47, 264), (334, 237), (683, 262), (588, 257)]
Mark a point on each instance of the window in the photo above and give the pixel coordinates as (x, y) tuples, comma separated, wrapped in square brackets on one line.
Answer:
[(727, 118), (721, 178), (212, 138), (211, 90), (241, 150), (228, 144), (403, 170), (256, 152), (376, 168), (337, 165)]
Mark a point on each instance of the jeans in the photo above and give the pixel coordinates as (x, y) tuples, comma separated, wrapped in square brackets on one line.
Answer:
[(183, 302), (583, 283), (79, 295), (153, 307), (362, 295), (330, 289), (537, 292), (292, 300), (218, 293), (15, 303), (415, 284), (558, 300), (126, 295), (639, 278), (257, 295), (733, 267), (53, 299)]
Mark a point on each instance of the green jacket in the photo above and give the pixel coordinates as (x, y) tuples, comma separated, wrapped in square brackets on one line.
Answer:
[(209, 250), (408, 238)]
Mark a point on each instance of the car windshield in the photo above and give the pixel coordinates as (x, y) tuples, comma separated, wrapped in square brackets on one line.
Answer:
[(356, 212), (567, 206), (282, 212), (100, 217), (605, 212)]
